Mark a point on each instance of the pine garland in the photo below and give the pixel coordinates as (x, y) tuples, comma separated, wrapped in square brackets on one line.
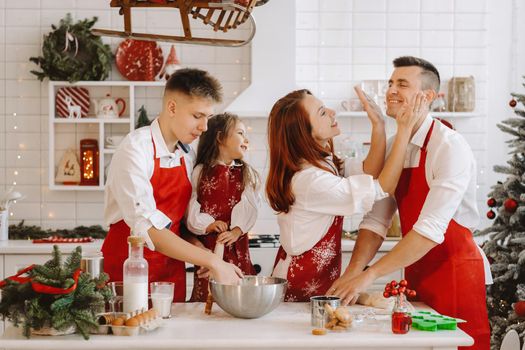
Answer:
[(24, 307), (21, 231), (77, 56)]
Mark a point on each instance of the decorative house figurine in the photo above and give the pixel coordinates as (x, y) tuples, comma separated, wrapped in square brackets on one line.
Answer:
[(72, 102), (171, 65), (89, 162), (68, 171)]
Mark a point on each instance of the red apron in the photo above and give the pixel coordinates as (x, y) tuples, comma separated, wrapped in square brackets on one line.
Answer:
[(450, 277), (314, 271), (218, 193), (172, 192)]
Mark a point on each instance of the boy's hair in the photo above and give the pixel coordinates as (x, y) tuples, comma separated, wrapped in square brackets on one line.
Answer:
[(220, 126), (291, 145), (429, 76), (195, 83)]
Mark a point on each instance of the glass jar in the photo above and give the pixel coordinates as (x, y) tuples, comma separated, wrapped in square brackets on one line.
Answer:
[(439, 104), (401, 319), (135, 277)]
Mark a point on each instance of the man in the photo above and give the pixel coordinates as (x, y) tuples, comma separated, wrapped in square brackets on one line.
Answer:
[(436, 198), (149, 187)]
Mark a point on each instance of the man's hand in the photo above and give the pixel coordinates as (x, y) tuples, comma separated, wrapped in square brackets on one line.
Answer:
[(218, 226), (225, 273), (348, 290), (372, 109), (229, 237), (345, 278)]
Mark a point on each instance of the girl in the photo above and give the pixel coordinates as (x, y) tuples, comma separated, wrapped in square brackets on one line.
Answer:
[(311, 189), (225, 199)]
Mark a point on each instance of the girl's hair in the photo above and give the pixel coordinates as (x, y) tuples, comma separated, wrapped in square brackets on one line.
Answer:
[(219, 128), (292, 145)]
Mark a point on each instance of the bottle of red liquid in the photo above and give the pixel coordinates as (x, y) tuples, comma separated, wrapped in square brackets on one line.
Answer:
[(401, 319)]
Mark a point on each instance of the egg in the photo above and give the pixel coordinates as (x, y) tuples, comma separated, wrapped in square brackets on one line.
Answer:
[(140, 318), (132, 322), (146, 316), (117, 322)]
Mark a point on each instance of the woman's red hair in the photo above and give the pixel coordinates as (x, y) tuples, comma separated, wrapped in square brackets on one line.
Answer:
[(291, 146)]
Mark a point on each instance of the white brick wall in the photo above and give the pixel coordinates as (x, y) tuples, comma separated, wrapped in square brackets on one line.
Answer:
[(451, 34), (24, 100), (339, 43)]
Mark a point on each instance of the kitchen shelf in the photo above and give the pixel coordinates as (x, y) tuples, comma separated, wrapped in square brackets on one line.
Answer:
[(91, 120), (100, 127), (75, 187), (362, 114)]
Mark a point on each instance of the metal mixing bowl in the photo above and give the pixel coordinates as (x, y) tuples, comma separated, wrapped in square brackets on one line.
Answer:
[(253, 297)]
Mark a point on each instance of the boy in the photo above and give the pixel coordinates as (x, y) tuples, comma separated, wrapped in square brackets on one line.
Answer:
[(149, 187)]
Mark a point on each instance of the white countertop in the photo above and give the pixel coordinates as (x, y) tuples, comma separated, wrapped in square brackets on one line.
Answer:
[(287, 327), (16, 246), (28, 247)]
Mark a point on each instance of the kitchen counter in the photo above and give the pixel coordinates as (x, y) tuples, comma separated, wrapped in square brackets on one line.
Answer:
[(27, 247), (287, 327), (18, 246)]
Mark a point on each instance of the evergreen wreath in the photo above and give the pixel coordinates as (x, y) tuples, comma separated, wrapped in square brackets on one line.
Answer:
[(71, 52), (22, 305)]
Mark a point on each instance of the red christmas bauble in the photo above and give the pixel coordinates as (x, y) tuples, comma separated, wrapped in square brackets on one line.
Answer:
[(513, 103), (519, 308), (491, 202), (491, 214), (510, 205)]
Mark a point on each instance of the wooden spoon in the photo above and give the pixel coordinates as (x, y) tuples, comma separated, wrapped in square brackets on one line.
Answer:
[(219, 251)]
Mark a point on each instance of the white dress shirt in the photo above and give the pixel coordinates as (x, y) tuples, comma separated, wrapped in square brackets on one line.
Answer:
[(320, 196), (129, 193), (244, 213), (450, 171)]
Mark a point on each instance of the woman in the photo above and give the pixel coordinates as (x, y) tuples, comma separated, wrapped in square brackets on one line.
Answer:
[(312, 189)]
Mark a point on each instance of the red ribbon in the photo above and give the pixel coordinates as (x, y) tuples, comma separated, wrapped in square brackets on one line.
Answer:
[(39, 287)]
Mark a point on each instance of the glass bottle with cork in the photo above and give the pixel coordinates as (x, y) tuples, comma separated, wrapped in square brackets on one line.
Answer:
[(135, 276), (401, 319)]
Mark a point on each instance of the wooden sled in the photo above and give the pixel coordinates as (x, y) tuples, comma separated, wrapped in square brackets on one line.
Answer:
[(221, 15)]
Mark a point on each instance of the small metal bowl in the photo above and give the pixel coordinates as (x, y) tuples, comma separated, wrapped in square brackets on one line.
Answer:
[(253, 297)]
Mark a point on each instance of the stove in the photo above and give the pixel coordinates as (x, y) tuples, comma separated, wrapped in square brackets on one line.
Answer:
[(263, 249), (264, 241)]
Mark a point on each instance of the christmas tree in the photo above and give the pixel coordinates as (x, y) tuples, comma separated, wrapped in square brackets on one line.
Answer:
[(143, 119), (505, 248)]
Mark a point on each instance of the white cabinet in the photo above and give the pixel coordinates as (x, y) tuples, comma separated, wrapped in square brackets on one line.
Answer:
[(14, 263), (362, 114), (66, 133)]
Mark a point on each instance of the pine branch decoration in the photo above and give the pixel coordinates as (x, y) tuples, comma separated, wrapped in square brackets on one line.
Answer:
[(21, 231), (22, 306), (71, 52)]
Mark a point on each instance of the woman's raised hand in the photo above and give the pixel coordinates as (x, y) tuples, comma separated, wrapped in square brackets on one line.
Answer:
[(410, 113), (371, 108)]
